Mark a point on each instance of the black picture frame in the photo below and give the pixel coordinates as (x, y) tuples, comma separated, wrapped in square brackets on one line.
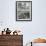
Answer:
[(23, 10)]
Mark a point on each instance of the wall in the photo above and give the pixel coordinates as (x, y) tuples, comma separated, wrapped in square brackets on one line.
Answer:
[(32, 29)]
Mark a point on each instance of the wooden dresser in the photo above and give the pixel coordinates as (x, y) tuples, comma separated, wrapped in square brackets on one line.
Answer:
[(11, 40)]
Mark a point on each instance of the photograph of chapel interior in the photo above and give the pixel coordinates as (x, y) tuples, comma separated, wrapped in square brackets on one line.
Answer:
[(22, 33)]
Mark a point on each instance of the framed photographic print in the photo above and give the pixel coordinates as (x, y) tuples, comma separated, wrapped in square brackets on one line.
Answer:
[(23, 10)]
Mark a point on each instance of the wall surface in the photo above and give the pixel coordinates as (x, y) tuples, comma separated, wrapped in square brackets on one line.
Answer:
[(32, 29)]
